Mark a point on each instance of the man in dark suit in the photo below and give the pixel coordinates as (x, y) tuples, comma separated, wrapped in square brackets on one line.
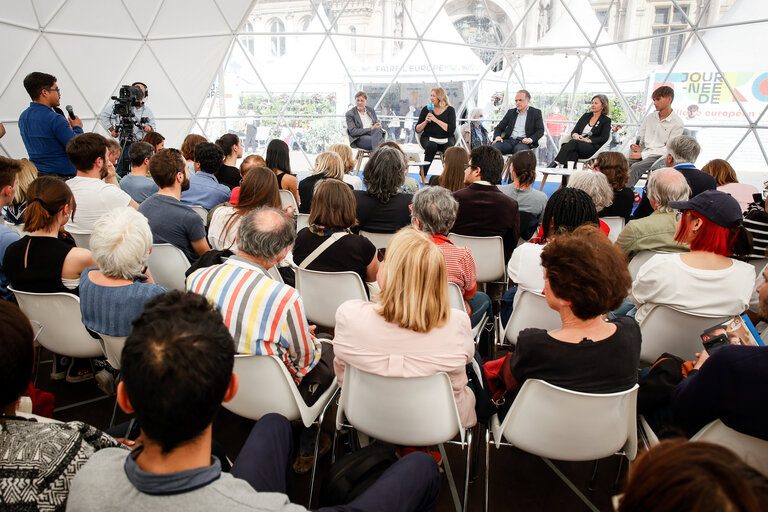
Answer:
[(484, 210), (521, 128), (363, 128)]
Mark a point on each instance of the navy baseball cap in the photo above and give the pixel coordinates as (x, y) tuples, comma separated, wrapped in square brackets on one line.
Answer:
[(719, 207)]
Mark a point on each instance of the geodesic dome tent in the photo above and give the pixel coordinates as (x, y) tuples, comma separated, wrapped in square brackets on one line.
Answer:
[(299, 62)]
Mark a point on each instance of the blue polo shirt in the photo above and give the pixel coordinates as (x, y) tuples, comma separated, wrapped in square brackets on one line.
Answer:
[(206, 191), (45, 134)]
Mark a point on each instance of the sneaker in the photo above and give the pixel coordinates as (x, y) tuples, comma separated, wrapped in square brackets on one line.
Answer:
[(106, 382), (60, 365), (79, 370)]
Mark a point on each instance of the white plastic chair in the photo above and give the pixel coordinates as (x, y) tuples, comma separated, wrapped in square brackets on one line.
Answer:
[(275, 274), (302, 221), (113, 349), (488, 253), (82, 239), (379, 240), (417, 411), (202, 212), (667, 330), (566, 137), (167, 264), (457, 302), (324, 292), (616, 224), (59, 313), (531, 310), (267, 387), (557, 423), (287, 199)]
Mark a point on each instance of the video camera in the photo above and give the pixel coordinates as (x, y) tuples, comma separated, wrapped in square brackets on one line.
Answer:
[(129, 97)]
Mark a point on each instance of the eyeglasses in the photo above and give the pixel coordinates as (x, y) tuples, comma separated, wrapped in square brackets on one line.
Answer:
[(468, 166), (58, 90)]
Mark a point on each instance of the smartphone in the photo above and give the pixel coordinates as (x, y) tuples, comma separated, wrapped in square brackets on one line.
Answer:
[(716, 343)]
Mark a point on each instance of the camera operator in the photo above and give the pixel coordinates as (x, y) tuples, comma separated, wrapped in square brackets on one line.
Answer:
[(128, 118)]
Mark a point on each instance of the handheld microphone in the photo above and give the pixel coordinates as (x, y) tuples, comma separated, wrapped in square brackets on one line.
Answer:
[(430, 106), (71, 112), (637, 140)]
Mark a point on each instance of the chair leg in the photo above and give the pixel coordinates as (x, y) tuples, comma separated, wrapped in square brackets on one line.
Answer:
[(618, 474), (314, 461), (358, 162), (487, 466), (505, 174), (591, 485), (467, 469), (449, 476), (543, 181)]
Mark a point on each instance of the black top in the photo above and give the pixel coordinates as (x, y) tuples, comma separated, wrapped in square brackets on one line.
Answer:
[(623, 201), (229, 176), (699, 181), (45, 259), (730, 386), (350, 252), (433, 130), (378, 217), (534, 125), (606, 366), (307, 190), (484, 210), (601, 131)]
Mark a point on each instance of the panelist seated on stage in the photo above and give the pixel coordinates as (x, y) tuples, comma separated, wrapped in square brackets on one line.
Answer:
[(521, 128), (437, 126), (592, 130), (363, 127)]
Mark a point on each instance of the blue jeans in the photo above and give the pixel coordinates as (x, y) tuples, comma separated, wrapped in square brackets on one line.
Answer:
[(510, 146), (626, 309), (479, 304)]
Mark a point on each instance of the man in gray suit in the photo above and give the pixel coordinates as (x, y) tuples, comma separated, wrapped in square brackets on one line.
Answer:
[(363, 128)]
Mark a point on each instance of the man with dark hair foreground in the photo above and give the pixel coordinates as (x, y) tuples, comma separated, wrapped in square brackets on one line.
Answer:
[(177, 369), (37, 459)]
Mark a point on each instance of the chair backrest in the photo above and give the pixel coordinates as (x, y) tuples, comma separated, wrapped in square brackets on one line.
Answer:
[(416, 411), (531, 310), (167, 263), (638, 260), (379, 240), (265, 387), (667, 330), (752, 450), (488, 253), (616, 224), (113, 349), (324, 292), (561, 424), (82, 239), (457, 298), (302, 221), (275, 274), (287, 199), (202, 212), (63, 330)]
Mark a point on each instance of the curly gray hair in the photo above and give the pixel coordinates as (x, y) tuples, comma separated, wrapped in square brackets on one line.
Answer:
[(595, 184), (436, 210)]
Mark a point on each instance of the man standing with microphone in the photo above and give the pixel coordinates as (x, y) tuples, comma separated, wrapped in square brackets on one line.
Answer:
[(45, 133)]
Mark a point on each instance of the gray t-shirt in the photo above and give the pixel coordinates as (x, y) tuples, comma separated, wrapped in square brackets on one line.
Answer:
[(173, 223), (111, 480), (138, 187), (528, 200)]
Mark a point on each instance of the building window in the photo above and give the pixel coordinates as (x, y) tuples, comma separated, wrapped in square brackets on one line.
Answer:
[(667, 19), (277, 43), (353, 40), (304, 23), (250, 41), (602, 14)]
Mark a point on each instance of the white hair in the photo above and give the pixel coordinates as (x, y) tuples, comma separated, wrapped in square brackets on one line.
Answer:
[(120, 243), (595, 184)]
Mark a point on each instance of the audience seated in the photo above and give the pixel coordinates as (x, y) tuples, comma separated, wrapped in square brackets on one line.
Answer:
[(204, 188), (9, 179), (345, 152), (328, 165), (756, 222), (681, 476), (483, 209), (154, 138), (596, 185), (657, 231), (113, 294), (705, 281), (727, 182), (188, 150), (232, 148), (179, 345), (330, 220), (452, 177), (114, 151), (410, 331), (585, 277), (279, 160), (172, 222), (250, 162), (14, 212), (137, 183), (434, 212), (682, 152), (95, 187), (616, 168), (259, 189), (380, 207), (410, 185), (530, 201), (38, 460)]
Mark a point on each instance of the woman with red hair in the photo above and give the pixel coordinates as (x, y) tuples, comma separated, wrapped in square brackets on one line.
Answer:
[(705, 281)]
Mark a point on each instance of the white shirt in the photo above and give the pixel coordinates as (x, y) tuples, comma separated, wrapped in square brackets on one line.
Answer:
[(666, 279), (355, 181), (219, 239), (655, 133), (94, 198), (365, 118), (524, 268)]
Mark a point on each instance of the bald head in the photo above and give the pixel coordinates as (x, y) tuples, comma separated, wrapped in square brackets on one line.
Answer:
[(266, 234), (666, 185)]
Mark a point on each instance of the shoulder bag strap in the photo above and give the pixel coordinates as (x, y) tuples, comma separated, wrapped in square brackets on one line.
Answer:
[(321, 248)]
